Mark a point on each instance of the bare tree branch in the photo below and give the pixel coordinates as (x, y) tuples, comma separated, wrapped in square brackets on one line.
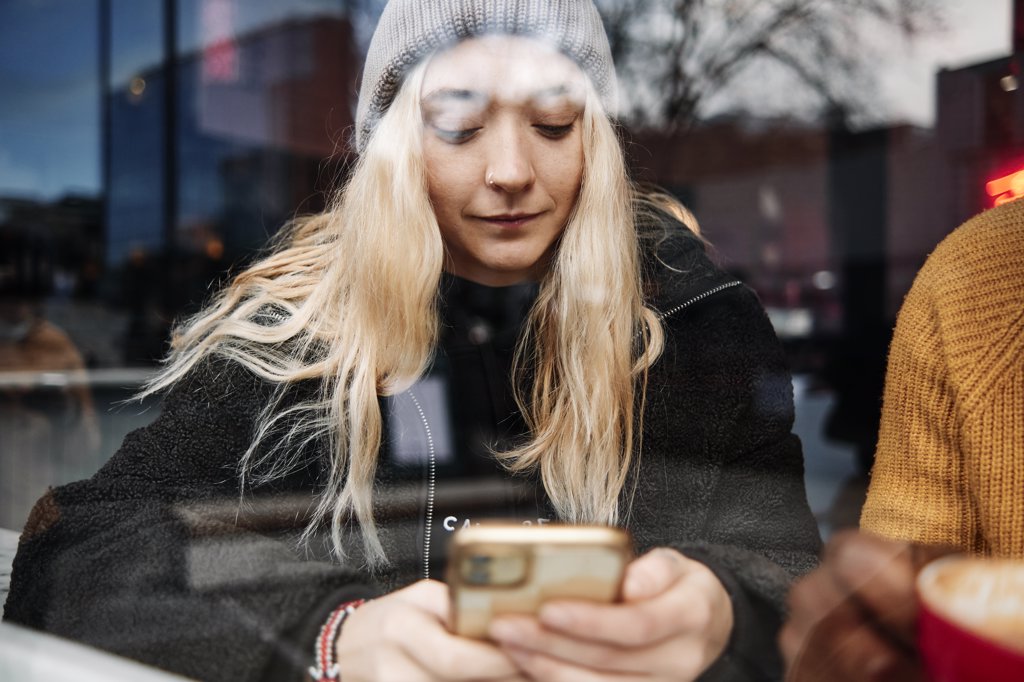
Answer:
[(676, 55)]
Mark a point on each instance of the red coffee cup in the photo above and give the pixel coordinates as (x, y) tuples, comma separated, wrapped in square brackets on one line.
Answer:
[(971, 625)]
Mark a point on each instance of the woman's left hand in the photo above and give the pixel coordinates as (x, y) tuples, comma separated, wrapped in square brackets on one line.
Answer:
[(674, 621)]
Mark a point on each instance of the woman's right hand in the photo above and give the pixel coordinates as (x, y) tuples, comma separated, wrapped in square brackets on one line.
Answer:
[(402, 636)]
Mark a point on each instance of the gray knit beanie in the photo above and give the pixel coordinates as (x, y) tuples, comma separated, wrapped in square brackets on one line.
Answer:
[(409, 30)]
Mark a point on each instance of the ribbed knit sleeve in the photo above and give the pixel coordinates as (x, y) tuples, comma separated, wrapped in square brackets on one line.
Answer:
[(949, 466)]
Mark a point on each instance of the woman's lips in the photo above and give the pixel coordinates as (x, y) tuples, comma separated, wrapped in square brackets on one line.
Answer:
[(510, 220)]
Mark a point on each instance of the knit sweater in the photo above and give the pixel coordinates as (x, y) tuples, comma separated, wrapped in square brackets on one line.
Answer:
[(155, 559), (949, 467)]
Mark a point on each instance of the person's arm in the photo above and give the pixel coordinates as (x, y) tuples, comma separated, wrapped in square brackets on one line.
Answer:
[(758, 532), (147, 559), (918, 481)]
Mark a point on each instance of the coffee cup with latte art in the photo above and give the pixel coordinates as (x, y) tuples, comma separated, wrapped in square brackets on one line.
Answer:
[(971, 626)]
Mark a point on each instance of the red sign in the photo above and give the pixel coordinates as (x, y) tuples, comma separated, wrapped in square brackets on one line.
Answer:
[(220, 52), (1006, 188)]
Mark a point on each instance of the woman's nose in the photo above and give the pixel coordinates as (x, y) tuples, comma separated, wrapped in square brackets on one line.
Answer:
[(510, 168)]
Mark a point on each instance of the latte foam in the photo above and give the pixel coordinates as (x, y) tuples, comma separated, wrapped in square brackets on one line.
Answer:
[(985, 596)]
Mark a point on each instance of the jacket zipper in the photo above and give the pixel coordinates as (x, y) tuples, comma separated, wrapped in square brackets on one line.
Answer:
[(432, 471), (431, 484), (432, 475), (699, 297)]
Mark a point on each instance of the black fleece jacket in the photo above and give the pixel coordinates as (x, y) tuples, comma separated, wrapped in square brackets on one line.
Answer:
[(158, 558)]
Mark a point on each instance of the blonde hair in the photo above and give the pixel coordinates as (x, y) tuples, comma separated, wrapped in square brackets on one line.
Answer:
[(336, 302), (652, 200)]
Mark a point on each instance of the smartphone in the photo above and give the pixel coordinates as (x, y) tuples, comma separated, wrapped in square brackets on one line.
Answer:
[(508, 568)]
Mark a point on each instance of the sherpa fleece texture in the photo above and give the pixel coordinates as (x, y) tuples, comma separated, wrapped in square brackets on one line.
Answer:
[(155, 559)]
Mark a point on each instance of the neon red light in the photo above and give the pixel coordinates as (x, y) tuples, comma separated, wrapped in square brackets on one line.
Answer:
[(1006, 188), (220, 62)]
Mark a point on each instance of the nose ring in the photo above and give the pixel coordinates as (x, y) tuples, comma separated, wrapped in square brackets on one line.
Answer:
[(489, 179)]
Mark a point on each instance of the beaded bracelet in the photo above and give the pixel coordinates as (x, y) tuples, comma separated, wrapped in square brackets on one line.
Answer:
[(326, 667)]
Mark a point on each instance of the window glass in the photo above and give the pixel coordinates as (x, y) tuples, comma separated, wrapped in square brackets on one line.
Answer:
[(51, 234), (151, 149), (50, 111)]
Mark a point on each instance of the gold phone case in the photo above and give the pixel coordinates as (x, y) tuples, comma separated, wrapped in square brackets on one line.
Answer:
[(502, 568)]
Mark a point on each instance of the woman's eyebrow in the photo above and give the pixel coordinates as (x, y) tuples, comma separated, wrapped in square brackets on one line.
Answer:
[(557, 93), (553, 91), (547, 94), (456, 94)]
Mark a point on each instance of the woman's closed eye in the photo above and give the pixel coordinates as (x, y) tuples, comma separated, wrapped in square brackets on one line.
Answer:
[(454, 135), (554, 132)]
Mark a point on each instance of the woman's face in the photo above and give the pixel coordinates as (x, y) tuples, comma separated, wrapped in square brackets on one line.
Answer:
[(503, 150)]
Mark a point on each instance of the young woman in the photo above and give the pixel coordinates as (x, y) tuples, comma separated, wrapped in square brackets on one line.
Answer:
[(488, 295)]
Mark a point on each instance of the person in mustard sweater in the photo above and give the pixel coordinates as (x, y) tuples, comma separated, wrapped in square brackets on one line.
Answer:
[(949, 466)]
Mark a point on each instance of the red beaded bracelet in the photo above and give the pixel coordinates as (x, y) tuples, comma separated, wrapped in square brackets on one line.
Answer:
[(326, 667)]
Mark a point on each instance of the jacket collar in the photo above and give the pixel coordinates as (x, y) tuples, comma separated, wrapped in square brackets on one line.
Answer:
[(677, 269)]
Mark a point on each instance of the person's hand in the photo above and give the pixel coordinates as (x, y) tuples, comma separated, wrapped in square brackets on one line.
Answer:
[(854, 618), (402, 637), (674, 621)]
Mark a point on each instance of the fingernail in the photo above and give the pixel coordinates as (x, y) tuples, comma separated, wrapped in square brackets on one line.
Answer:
[(877, 666), (519, 656), (636, 586), (555, 618), (504, 631)]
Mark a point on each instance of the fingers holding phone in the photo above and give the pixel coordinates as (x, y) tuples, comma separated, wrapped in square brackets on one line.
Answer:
[(507, 568), (674, 620), (403, 637)]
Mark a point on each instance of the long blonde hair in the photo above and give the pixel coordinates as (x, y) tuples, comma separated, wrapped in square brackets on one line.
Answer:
[(336, 301)]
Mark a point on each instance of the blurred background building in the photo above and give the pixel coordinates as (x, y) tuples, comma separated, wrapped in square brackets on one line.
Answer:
[(148, 147)]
